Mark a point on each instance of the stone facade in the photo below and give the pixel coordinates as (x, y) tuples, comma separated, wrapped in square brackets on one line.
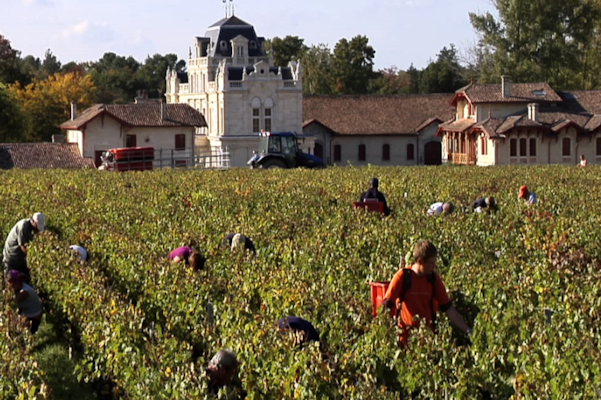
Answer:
[(232, 81)]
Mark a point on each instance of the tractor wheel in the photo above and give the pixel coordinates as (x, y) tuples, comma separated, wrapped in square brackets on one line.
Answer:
[(273, 164)]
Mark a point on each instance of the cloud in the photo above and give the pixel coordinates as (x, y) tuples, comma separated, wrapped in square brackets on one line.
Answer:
[(38, 2), (93, 32)]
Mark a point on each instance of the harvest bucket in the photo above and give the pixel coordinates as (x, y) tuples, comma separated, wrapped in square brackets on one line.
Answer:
[(370, 206), (378, 291)]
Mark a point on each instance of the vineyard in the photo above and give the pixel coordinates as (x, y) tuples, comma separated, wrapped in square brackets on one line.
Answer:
[(526, 278)]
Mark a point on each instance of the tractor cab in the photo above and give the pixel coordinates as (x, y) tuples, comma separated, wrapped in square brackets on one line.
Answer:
[(281, 150)]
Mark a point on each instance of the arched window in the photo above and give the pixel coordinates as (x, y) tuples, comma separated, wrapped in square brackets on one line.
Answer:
[(361, 152), (256, 114), (267, 107), (386, 152), (410, 151), (337, 153)]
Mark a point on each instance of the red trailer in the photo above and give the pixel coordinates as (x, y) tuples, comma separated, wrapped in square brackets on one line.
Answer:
[(128, 159)]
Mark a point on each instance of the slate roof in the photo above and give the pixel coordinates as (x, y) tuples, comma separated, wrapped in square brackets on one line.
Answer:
[(42, 155), (143, 114), (225, 30), (377, 114), (520, 93)]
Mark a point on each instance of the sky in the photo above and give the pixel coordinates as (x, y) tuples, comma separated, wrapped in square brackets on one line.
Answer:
[(402, 32)]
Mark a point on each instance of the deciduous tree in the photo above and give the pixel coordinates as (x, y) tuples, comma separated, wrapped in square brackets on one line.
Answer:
[(151, 74), (46, 103), (317, 66), (12, 121), (352, 65), (115, 78), (290, 48), (539, 40)]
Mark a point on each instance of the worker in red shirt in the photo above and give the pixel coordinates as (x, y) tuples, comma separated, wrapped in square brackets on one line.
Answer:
[(418, 290)]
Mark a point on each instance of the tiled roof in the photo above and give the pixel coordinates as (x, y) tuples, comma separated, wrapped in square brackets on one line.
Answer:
[(520, 93), (490, 126), (458, 126), (593, 123), (42, 155), (588, 101), (377, 114), (143, 114)]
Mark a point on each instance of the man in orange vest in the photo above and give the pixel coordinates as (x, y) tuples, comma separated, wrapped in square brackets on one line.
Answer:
[(419, 291)]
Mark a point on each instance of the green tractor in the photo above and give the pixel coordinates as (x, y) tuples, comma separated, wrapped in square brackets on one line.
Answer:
[(281, 150)]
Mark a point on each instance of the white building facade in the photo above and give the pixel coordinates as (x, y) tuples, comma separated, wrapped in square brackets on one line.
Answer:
[(232, 81)]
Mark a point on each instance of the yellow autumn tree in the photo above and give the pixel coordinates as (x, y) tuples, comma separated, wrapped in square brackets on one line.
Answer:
[(47, 103)]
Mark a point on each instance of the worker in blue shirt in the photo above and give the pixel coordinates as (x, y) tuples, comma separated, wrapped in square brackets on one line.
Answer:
[(375, 194)]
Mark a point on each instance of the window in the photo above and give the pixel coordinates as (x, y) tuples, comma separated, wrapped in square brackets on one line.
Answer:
[(599, 147), (337, 153), (513, 148), (256, 114), (130, 141), (386, 152), (268, 119), (361, 152), (532, 147), (566, 147), (240, 51), (523, 143), (483, 145), (180, 141), (275, 144), (410, 152), (256, 120)]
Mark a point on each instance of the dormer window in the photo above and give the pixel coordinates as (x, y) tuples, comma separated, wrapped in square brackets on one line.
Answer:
[(240, 51), (253, 44), (539, 93), (223, 44)]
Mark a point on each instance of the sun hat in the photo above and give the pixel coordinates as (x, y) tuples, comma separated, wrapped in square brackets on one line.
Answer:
[(40, 220), (238, 240)]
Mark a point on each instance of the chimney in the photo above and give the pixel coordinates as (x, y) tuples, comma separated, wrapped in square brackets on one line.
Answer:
[(73, 110), (533, 111), (163, 111), (506, 86)]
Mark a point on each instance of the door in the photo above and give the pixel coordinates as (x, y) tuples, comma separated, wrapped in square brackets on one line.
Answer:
[(433, 153), (97, 155), (318, 151)]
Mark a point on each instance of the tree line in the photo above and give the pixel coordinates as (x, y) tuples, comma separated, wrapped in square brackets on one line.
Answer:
[(554, 41)]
